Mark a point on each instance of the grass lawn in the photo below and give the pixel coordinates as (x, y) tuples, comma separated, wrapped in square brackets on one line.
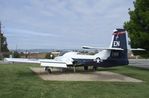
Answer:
[(18, 81)]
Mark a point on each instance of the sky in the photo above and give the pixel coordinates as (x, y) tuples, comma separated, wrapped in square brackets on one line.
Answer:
[(61, 24)]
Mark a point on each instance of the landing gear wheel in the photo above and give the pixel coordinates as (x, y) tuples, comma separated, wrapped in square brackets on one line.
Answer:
[(85, 67), (94, 68), (49, 70), (46, 68)]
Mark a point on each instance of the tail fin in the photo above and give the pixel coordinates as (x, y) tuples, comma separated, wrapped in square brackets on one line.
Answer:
[(119, 40), (116, 54)]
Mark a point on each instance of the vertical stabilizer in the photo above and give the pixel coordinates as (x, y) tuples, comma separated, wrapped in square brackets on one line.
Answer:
[(119, 40)]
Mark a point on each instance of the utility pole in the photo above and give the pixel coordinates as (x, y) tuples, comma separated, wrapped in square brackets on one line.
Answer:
[(0, 40), (0, 37)]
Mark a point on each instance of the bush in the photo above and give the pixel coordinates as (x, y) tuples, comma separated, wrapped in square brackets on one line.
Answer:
[(49, 56), (16, 54)]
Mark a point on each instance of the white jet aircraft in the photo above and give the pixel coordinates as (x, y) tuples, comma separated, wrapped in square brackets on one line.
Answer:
[(115, 55)]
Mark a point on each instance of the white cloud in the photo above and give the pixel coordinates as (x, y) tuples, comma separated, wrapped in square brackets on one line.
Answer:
[(30, 33), (64, 23)]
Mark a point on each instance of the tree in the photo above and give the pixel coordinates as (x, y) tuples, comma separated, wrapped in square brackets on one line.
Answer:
[(4, 51), (138, 26), (16, 54), (49, 56), (4, 47)]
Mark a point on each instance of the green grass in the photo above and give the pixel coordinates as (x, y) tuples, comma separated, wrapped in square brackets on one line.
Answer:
[(18, 81)]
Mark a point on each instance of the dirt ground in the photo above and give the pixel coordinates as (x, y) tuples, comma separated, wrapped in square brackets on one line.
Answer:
[(82, 76)]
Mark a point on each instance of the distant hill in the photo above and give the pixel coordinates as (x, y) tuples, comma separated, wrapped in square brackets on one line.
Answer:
[(44, 50)]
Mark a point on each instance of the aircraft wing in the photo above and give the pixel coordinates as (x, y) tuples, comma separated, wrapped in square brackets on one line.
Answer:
[(101, 48), (22, 60), (42, 62)]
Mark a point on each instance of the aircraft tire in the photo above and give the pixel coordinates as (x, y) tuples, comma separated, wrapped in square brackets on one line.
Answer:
[(49, 70), (94, 68), (46, 68), (85, 67)]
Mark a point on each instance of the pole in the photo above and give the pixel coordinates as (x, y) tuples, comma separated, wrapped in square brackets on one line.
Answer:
[(0, 37), (0, 40)]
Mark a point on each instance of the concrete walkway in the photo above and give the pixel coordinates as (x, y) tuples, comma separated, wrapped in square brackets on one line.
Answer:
[(83, 76)]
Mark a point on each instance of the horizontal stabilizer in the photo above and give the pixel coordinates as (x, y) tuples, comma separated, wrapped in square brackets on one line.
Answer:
[(101, 48), (137, 49)]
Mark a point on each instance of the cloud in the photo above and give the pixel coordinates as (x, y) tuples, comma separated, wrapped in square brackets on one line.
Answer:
[(23, 32), (62, 23)]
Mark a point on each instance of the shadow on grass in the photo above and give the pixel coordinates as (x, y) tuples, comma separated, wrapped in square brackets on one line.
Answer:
[(28, 74), (107, 69)]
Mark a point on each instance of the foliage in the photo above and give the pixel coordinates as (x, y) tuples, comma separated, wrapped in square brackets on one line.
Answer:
[(16, 54), (3, 43), (138, 26), (4, 49), (49, 56), (6, 54)]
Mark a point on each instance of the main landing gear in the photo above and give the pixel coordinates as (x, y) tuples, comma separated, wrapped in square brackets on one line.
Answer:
[(85, 67), (94, 68), (48, 69)]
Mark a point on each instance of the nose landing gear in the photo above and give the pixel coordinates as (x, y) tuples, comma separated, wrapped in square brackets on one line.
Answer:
[(48, 69)]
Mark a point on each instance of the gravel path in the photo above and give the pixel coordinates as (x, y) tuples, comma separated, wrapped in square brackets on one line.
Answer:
[(83, 76)]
